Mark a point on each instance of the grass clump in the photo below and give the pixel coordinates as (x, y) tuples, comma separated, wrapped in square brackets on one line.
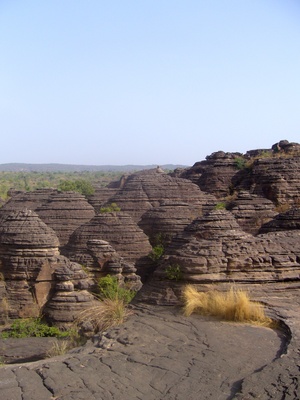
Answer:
[(109, 310), (233, 305), (104, 315)]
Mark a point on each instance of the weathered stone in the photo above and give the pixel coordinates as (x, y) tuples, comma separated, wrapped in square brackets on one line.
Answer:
[(252, 211), (64, 212), (101, 196), (289, 220), (213, 248), (215, 174), (146, 189), (277, 179), (25, 200), (119, 230), (168, 219)]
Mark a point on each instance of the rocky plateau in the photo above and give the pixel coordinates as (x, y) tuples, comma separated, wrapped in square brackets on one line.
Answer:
[(231, 219)]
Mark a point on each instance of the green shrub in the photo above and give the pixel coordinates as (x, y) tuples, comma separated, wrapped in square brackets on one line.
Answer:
[(113, 207), (240, 163), (157, 252), (173, 272), (32, 327), (109, 288), (79, 185), (220, 206)]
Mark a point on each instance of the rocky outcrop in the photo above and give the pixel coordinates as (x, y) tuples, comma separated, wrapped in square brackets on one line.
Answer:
[(287, 221), (28, 253), (28, 200), (215, 174), (166, 220), (71, 295), (251, 211), (213, 248), (270, 173), (117, 228), (64, 212), (144, 190), (101, 196), (30, 264), (277, 179)]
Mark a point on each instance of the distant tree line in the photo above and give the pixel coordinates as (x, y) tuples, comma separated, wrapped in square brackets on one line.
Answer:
[(82, 182)]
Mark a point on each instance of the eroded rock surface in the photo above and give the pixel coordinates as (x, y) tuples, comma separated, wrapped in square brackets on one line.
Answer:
[(144, 190), (156, 354), (117, 228), (64, 212)]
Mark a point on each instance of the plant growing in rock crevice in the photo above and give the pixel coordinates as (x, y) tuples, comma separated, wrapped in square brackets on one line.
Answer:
[(174, 272)]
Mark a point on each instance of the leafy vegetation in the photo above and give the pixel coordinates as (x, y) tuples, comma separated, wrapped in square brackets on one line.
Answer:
[(29, 181), (32, 327), (233, 305), (173, 272), (79, 185), (240, 163), (109, 288), (220, 206), (112, 207), (157, 252)]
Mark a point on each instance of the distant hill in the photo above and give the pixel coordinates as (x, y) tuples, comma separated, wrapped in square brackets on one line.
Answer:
[(18, 167)]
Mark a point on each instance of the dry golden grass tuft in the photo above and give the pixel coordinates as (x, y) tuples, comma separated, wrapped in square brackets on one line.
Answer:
[(233, 305), (105, 314)]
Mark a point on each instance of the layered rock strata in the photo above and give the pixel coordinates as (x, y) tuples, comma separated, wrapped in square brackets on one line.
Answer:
[(213, 248), (28, 200), (289, 220), (252, 211), (64, 212), (117, 228), (31, 267), (144, 190), (28, 254), (168, 219)]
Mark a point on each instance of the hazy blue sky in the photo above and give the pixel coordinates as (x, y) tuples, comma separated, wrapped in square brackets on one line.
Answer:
[(146, 81)]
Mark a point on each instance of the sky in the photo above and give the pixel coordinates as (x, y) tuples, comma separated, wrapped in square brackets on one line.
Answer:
[(143, 82)]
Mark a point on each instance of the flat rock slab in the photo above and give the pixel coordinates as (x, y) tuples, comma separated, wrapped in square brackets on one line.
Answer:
[(156, 354), (25, 349)]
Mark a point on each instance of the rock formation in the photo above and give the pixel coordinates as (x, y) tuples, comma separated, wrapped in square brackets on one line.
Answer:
[(251, 211), (213, 248), (30, 265), (141, 191), (117, 228), (287, 221), (29, 200), (64, 212)]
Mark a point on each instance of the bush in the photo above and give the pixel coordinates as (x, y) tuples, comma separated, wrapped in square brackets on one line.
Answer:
[(109, 288), (234, 305), (240, 163), (220, 206), (173, 272), (32, 327), (113, 207), (157, 252), (80, 185)]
